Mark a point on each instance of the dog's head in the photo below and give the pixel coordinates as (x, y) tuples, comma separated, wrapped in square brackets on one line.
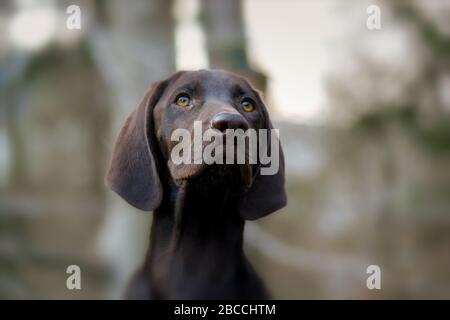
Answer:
[(190, 116)]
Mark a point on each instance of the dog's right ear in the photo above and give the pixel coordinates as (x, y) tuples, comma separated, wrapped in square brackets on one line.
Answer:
[(132, 172)]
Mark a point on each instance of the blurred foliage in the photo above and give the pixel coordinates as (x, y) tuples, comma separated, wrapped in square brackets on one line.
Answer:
[(51, 59), (435, 138)]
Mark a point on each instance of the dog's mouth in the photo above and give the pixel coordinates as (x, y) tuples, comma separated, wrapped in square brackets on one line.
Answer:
[(226, 173), (236, 178)]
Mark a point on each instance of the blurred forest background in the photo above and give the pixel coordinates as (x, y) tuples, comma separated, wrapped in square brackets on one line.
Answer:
[(364, 119)]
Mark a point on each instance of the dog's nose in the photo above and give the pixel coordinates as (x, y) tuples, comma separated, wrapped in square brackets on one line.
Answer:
[(225, 120)]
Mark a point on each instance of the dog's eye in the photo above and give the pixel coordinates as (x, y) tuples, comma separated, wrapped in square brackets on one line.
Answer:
[(247, 105), (183, 100)]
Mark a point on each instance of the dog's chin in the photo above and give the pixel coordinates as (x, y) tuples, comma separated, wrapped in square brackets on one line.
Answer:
[(236, 177)]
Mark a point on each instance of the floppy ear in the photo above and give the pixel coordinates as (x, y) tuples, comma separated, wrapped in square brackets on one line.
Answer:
[(132, 171), (267, 193)]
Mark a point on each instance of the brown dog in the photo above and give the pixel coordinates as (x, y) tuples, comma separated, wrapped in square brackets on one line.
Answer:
[(199, 210)]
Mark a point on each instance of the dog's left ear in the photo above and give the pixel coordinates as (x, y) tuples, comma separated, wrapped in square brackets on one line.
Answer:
[(267, 193), (132, 171)]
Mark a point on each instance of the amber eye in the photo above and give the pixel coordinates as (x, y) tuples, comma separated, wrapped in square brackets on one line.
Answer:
[(183, 100), (247, 105)]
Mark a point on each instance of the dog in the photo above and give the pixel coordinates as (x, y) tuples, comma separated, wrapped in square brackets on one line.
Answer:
[(199, 210)]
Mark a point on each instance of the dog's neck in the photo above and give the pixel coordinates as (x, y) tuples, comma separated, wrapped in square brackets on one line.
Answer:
[(196, 235)]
